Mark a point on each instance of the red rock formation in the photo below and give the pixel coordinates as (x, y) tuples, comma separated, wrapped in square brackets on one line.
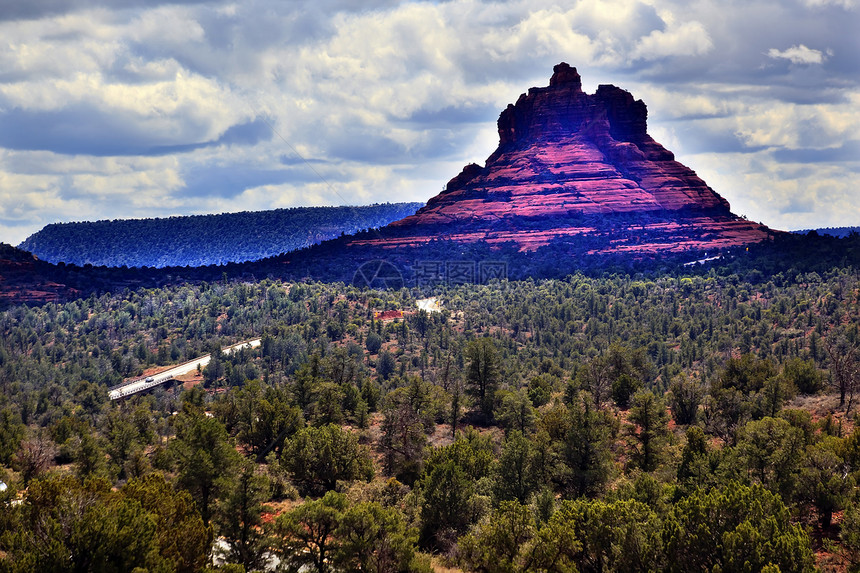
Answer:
[(573, 172), (25, 279), (565, 159)]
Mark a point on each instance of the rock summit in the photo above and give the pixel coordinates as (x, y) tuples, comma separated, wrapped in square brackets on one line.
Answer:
[(572, 165)]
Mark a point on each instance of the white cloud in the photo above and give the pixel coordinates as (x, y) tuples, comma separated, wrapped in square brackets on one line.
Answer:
[(543, 32), (793, 126), (667, 103), (846, 4), (798, 54), (782, 198), (687, 39)]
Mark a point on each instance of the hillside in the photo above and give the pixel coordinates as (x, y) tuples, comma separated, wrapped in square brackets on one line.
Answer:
[(201, 240)]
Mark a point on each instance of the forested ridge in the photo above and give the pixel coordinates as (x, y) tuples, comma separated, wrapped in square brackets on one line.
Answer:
[(617, 423), (200, 240), (832, 231)]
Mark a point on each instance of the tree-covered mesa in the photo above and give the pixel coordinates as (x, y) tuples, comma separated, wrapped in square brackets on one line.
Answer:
[(832, 231), (200, 240), (661, 423)]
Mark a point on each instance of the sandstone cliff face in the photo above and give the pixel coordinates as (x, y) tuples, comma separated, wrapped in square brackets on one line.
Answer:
[(565, 159)]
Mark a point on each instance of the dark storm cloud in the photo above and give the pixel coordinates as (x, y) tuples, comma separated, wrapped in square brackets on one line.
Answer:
[(294, 159), (232, 180), (454, 115), (33, 9), (77, 129), (249, 133), (440, 144), (847, 152), (702, 138), (367, 148), (83, 129), (798, 205)]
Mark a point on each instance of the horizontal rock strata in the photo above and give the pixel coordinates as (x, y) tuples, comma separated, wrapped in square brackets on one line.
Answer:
[(565, 160)]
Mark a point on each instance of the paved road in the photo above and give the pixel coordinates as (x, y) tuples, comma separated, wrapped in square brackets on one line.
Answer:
[(141, 384)]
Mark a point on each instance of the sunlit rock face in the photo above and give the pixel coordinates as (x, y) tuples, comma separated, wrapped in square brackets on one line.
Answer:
[(571, 164)]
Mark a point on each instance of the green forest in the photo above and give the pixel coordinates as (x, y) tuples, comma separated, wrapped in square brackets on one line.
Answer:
[(622, 422), (200, 240)]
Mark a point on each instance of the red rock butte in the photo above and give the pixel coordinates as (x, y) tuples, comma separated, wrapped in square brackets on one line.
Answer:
[(571, 165)]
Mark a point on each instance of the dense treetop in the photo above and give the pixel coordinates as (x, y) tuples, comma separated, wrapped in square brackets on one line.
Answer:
[(657, 422)]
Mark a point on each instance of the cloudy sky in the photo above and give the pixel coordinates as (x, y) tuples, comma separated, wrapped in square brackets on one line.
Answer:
[(141, 108)]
